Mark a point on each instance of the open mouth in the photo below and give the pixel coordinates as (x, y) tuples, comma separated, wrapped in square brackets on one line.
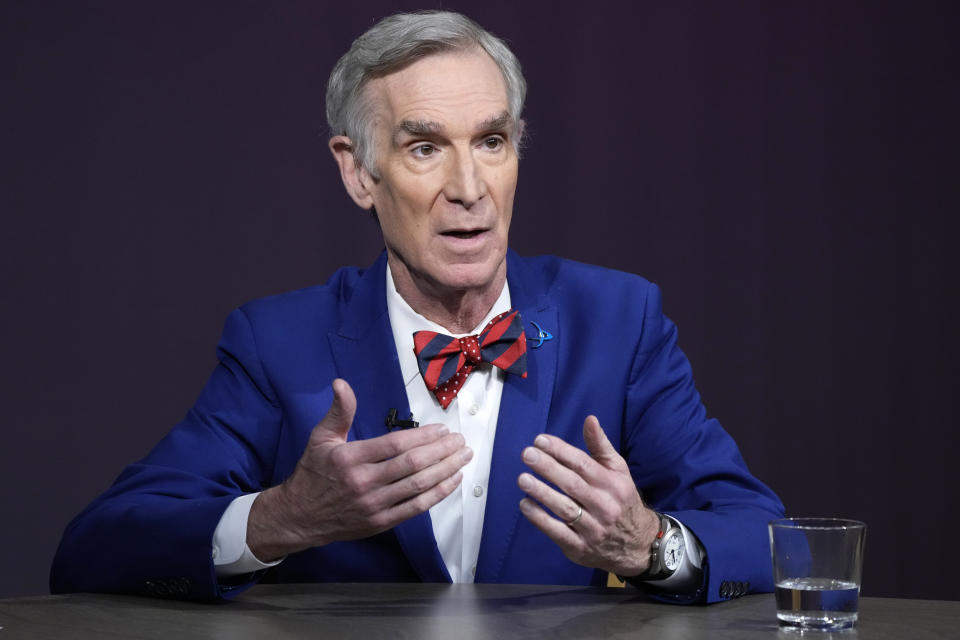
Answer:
[(463, 234)]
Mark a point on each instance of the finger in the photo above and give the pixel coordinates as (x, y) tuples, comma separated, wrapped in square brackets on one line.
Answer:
[(426, 479), (421, 457), (422, 502), (575, 481), (395, 443), (563, 536), (336, 423), (565, 508), (577, 460), (600, 446)]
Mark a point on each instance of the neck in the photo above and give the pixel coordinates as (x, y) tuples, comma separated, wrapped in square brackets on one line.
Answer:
[(456, 310)]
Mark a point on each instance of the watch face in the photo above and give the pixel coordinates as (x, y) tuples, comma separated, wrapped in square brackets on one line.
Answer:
[(673, 549)]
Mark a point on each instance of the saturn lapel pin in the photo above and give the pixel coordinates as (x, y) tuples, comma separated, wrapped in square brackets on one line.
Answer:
[(541, 337)]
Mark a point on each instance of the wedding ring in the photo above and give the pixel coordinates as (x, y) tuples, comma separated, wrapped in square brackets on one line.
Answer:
[(577, 519)]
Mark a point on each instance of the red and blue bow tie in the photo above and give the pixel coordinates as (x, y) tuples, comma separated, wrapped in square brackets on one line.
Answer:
[(445, 361)]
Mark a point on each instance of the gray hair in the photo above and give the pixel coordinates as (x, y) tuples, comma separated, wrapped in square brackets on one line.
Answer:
[(397, 42)]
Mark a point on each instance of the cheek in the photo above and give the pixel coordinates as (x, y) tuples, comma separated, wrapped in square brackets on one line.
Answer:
[(506, 177), (506, 188), (400, 208), (415, 197)]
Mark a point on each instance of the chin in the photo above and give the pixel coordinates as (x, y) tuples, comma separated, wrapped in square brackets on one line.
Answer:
[(469, 276)]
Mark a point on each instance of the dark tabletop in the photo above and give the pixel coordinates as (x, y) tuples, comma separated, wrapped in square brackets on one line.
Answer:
[(424, 611)]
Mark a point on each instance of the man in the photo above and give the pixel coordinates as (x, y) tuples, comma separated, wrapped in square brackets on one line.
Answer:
[(544, 389)]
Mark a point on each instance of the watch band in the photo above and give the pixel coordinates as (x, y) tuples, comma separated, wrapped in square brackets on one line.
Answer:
[(656, 570), (653, 570)]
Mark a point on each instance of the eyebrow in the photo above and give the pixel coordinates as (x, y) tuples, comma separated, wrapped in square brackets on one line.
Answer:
[(416, 129), (423, 128), (496, 122)]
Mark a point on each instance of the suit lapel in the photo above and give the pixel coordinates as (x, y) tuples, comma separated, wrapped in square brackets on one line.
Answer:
[(365, 337), (524, 408)]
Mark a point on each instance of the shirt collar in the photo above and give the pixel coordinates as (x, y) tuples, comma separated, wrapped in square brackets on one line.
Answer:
[(405, 321)]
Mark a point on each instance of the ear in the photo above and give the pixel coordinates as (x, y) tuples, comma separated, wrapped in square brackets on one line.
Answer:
[(356, 179)]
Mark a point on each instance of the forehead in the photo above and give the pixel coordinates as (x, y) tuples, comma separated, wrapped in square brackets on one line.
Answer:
[(452, 89)]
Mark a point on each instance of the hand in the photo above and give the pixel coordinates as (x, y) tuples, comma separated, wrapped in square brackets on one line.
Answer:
[(616, 530), (343, 490)]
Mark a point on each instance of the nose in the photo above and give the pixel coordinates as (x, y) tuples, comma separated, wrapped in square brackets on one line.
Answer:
[(465, 184)]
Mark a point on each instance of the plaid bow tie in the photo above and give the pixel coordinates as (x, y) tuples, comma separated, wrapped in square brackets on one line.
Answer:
[(445, 361)]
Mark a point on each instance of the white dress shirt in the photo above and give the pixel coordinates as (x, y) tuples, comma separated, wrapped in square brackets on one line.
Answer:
[(457, 519)]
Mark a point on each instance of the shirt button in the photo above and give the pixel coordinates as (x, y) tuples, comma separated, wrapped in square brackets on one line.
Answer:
[(474, 410), (478, 491)]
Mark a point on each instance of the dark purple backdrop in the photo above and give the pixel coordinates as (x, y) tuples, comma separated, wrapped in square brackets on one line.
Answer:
[(786, 171)]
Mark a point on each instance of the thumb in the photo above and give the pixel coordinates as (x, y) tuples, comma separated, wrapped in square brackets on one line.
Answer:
[(336, 424), (600, 447)]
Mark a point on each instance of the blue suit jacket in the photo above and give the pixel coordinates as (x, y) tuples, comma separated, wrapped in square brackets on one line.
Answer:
[(614, 355)]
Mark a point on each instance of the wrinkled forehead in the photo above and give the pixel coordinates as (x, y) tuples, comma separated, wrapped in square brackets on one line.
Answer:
[(461, 89)]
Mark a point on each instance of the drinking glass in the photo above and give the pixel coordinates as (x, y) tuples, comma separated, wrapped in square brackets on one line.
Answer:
[(817, 564)]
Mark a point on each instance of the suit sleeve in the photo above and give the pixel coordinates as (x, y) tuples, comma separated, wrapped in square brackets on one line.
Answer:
[(686, 465), (151, 532)]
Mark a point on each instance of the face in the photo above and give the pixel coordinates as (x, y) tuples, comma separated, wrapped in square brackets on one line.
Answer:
[(448, 172)]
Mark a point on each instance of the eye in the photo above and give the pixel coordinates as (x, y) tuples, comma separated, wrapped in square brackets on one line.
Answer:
[(493, 143), (423, 150)]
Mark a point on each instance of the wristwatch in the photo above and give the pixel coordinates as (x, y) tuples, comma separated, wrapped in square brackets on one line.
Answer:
[(677, 565), (667, 552)]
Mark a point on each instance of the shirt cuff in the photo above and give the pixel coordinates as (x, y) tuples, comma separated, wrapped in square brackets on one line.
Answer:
[(231, 555)]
